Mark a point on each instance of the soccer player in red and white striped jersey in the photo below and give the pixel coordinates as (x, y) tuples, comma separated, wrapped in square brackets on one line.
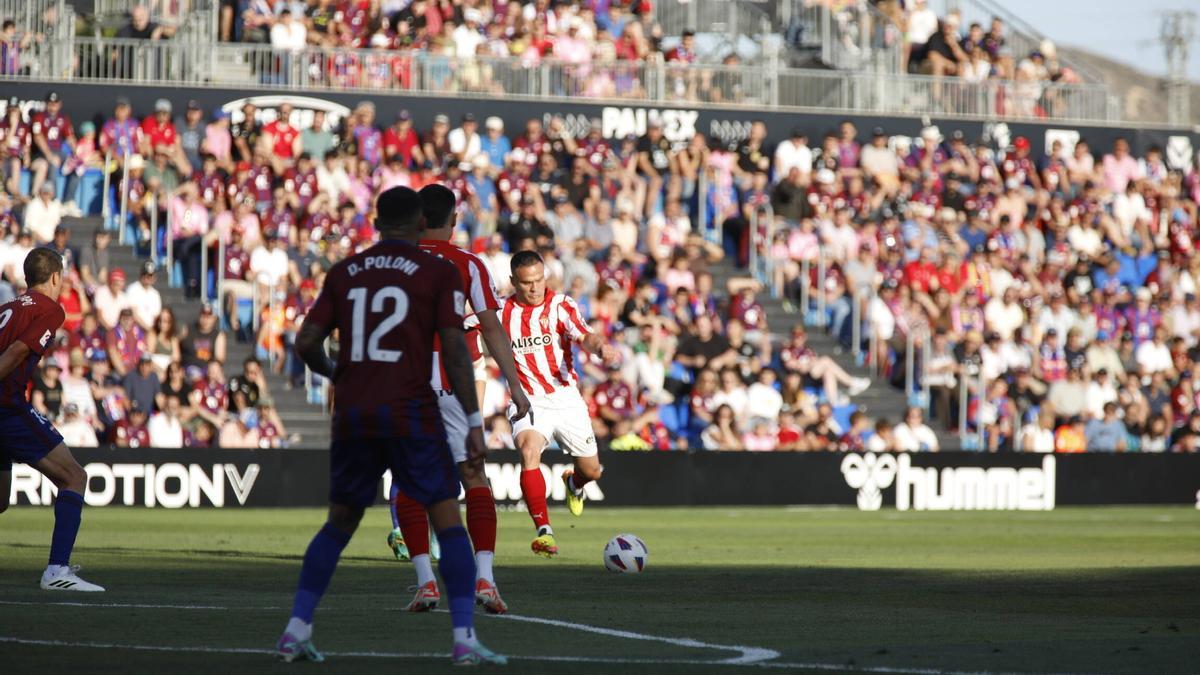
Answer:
[(409, 522), (544, 326)]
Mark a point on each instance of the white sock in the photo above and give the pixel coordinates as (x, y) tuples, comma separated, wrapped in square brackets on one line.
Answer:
[(545, 529), (575, 488), (424, 568), (465, 636), (299, 629), (55, 570), (483, 565)]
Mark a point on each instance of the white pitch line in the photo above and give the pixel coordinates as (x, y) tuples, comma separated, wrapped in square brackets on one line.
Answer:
[(749, 655), (835, 667), (135, 605)]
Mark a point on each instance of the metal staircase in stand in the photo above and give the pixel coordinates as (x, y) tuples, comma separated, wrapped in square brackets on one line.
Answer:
[(880, 400), (299, 417)]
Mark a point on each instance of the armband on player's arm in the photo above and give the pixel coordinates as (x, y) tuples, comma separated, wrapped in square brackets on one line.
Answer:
[(310, 347)]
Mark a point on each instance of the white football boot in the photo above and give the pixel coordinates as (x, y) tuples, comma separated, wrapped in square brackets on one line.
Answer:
[(63, 578)]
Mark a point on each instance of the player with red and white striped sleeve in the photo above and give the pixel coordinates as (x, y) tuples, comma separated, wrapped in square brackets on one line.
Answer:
[(410, 525), (543, 326)]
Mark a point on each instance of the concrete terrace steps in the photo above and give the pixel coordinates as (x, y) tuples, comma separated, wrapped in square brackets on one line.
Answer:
[(880, 400), (299, 416)]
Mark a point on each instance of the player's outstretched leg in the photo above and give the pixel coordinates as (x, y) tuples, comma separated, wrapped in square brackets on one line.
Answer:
[(533, 491), (60, 467), (395, 540), (414, 525), (481, 524), (457, 567), (320, 560), (587, 469)]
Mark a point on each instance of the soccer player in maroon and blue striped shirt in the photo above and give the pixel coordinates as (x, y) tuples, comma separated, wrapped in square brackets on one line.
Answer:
[(27, 327), (388, 303)]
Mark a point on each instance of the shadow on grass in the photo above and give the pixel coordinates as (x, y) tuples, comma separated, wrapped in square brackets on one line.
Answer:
[(1095, 620)]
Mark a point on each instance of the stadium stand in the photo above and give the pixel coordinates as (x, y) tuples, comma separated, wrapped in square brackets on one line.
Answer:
[(766, 294)]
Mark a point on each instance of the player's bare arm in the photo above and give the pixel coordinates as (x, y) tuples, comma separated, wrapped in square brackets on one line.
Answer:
[(500, 347), (457, 362), (16, 354), (310, 347), (594, 343)]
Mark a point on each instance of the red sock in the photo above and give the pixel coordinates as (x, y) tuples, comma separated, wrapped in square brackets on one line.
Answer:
[(414, 525), (533, 489), (481, 518), (577, 482)]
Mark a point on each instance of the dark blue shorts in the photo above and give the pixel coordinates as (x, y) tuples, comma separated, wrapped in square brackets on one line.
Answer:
[(422, 467), (25, 436)]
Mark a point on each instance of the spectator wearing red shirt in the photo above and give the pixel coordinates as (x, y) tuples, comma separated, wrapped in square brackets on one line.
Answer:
[(685, 51), (159, 135), (282, 139), (919, 273), (401, 139), (951, 274)]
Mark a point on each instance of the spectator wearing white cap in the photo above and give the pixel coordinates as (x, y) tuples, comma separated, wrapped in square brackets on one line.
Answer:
[(494, 143), (469, 35), (43, 214), (75, 430)]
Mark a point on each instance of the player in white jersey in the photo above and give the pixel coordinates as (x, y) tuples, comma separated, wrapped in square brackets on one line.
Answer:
[(543, 326), (409, 521)]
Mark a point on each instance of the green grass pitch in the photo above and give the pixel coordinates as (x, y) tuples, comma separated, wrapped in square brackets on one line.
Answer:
[(1070, 591)]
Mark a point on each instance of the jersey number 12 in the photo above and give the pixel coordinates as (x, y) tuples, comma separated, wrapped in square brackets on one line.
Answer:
[(378, 303)]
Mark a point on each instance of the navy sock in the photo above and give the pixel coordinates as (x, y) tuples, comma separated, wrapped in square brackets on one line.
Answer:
[(320, 560), (457, 567), (392, 506), (68, 511)]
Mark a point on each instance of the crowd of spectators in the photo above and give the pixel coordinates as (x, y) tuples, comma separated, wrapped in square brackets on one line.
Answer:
[(1065, 280), (121, 372), (943, 46)]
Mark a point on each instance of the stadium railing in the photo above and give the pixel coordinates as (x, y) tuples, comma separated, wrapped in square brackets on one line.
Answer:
[(855, 36), (178, 63), (1021, 38), (38, 17), (164, 12), (721, 27)]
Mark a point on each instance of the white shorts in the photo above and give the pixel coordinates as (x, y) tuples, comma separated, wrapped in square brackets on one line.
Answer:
[(480, 367), (455, 421), (562, 416)]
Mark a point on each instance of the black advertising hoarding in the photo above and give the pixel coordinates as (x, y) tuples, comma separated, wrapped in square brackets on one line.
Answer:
[(680, 122), (928, 481)]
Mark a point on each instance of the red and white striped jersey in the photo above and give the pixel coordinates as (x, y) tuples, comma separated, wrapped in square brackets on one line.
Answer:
[(480, 296), (541, 337)]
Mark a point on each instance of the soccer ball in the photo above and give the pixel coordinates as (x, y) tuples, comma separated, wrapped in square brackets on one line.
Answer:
[(625, 553)]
